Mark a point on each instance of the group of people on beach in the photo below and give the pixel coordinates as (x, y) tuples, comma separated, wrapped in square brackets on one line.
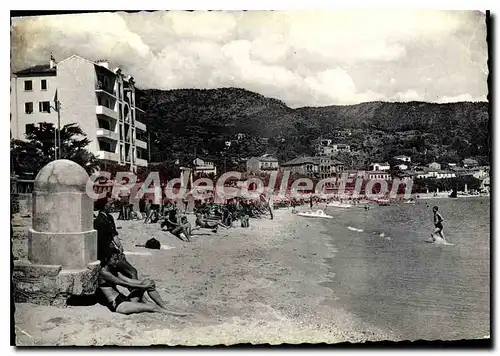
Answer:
[(117, 271)]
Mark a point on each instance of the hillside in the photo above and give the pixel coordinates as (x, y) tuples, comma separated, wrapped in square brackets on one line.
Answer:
[(182, 121)]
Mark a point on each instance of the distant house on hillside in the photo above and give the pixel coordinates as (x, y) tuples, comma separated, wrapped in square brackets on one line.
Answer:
[(264, 163), (204, 166), (403, 158), (470, 163), (385, 166), (327, 147), (355, 174), (304, 165), (435, 165), (461, 171), (402, 167), (329, 167), (480, 173), (436, 173), (378, 175), (407, 176)]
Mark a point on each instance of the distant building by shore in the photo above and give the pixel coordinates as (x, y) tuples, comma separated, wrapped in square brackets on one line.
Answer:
[(376, 166), (264, 163)]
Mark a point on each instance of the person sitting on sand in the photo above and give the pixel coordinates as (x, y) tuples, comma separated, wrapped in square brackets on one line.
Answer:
[(109, 246), (245, 221), (203, 223), (108, 280), (177, 226), (154, 213)]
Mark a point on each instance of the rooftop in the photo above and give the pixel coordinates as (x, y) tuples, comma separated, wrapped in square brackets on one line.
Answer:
[(267, 158), (38, 69), (45, 68), (301, 160), (377, 172)]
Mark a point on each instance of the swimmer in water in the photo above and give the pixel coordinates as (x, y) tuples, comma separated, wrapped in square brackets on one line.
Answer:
[(438, 224)]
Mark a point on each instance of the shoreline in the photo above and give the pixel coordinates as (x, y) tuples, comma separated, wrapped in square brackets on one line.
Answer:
[(255, 285)]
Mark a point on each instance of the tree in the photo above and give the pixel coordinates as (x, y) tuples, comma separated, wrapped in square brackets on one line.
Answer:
[(38, 150)]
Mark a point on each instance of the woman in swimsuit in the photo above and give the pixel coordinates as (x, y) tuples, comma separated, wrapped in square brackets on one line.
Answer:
[(135, 302), (177, 225), (203, 223)]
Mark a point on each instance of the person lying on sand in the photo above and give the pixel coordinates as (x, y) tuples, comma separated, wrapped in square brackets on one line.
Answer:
[(109, 246), (177, 225), (203, 223), (108, 280)]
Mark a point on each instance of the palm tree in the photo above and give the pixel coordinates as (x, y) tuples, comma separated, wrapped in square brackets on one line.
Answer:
[(33, 154)]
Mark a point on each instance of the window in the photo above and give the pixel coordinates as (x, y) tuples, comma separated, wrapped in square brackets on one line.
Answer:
[(28, 85), (43, 84), (28, 108), (105, 146), (99, 101), (30, 128), (44, 106)]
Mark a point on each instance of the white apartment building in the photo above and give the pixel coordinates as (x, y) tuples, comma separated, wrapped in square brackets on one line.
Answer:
[(101, 101)]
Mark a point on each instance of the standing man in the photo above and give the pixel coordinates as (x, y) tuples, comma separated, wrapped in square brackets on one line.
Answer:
[(438, 224), (124, 202)]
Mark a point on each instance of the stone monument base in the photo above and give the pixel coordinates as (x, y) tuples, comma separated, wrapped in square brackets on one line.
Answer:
[(51, 284)]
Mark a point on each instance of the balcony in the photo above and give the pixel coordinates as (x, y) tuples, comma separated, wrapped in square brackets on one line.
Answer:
[(141, 162), (109, 156), (101, 88), (102, 110), (139, 125), (141, 144), (104, 133)]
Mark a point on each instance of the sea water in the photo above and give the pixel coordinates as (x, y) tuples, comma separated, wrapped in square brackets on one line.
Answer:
[(388, 275)]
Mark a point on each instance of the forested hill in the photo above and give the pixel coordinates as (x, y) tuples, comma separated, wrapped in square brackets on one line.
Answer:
[(188, 120)]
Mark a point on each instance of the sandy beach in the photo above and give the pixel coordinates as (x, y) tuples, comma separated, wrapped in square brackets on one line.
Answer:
[(255, 285)]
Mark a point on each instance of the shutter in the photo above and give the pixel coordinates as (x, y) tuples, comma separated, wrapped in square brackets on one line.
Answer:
[(40, 106), (48, 106)]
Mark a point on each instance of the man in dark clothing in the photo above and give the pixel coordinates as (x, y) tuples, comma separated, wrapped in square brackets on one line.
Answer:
[(142, 205), (124, 206), (109, 247)]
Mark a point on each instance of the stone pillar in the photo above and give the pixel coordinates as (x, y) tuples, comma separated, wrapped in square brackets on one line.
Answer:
[(62, 243)]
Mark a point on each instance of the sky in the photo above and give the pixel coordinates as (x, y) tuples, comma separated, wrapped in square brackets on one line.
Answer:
[(304, 58)]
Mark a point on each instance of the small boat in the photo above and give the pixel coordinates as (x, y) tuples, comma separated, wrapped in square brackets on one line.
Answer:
[(410, 202), (337, 204), (315, 214)]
